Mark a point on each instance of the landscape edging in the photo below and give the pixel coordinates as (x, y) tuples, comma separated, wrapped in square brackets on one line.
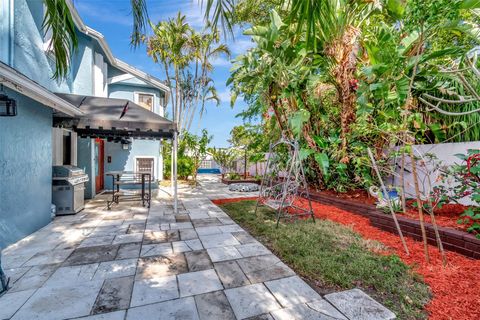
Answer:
[(453, 240)]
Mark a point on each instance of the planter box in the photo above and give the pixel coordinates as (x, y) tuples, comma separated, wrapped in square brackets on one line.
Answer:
[(453, 240), (228, 181)]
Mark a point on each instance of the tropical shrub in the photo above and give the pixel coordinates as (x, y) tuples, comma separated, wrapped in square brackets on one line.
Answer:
[(467, 184), (341, 76)]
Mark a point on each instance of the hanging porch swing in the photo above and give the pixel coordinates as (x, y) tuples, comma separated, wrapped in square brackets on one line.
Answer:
[(284, 184)]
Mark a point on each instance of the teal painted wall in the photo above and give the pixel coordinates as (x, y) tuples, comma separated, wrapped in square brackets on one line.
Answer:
[(25, 169)]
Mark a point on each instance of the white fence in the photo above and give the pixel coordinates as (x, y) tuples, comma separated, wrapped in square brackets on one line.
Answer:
[(445, 154)]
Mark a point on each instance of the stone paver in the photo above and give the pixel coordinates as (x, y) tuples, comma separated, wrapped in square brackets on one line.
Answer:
[(214, 306), (198, 282), (149, 250), (133, 263), (54, 303), (198, 260), (114, 295), (115, 269), (292, 290), (49, 257), (224, 253), (128, 251), (252, 300), (264, 268), (177, 309), (155, 289), (252, 249), (355, 304), (11, 302), (219, 240), (230, 274), (71, 275), (317, 310), (117, 315), (161, 266), (92, 255)]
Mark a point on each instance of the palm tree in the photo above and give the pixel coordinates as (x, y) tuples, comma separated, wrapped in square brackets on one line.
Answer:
[(332, 28), (171, 46)]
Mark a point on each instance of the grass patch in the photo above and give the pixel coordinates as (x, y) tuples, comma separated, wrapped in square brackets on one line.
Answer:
[(332, 256)]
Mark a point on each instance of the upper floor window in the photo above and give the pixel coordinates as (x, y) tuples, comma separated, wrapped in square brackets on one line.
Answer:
[(145, 100)]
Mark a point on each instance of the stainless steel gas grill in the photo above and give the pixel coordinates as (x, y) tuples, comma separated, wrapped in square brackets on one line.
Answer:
[(68, 189)]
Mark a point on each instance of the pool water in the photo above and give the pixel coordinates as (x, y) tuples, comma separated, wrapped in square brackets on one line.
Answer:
[(211, 171)]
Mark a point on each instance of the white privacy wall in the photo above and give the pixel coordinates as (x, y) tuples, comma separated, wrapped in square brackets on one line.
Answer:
[(445, 152)]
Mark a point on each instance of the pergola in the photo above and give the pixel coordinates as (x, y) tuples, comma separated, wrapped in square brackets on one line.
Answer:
[(119, 120)]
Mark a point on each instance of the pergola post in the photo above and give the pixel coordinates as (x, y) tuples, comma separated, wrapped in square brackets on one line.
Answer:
[(174, 172)]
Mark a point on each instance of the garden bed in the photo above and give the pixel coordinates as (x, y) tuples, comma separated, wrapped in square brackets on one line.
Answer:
[(230, 181), (454, 287), (332, 257), (453, 239)]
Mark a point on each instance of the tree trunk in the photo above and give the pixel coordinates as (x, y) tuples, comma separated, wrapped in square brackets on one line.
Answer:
[(344, 53)]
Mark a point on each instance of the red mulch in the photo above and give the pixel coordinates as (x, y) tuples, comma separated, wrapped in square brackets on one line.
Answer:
[(455, 288), (447, 216)]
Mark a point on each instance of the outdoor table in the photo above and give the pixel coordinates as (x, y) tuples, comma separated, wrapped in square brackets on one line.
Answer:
[(130, 178)]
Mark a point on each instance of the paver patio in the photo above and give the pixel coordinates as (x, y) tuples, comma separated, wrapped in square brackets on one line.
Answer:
[(134, 263)]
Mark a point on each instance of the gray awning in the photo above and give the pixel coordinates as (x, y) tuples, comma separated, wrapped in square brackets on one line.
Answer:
[(114, 118)]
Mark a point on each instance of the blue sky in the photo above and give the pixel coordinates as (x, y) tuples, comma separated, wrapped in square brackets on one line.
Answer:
[(112, 18)]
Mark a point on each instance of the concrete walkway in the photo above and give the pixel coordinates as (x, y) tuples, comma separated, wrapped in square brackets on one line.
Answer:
[(133, 263)]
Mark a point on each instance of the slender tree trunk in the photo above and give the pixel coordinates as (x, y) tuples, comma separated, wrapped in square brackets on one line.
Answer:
[(419, 205)]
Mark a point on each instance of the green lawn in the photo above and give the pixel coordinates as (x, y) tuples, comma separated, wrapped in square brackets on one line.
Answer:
[(331, 256)]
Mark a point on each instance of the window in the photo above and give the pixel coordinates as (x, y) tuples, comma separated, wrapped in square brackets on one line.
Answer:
[(146, 101), (145, 165)]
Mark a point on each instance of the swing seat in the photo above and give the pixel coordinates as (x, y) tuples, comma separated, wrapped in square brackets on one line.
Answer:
[(273, 204)]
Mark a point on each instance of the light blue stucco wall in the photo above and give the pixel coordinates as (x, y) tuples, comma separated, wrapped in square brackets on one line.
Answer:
[(85, 158), (25, 169), (22, 46), (29, 56), (124, 160), (125, 91)]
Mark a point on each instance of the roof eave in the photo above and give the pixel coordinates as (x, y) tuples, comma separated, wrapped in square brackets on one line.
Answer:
[(13, 79)]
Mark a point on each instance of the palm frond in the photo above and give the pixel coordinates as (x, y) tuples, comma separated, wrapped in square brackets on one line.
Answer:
[(58, 20), (140, 19), (220, 11)]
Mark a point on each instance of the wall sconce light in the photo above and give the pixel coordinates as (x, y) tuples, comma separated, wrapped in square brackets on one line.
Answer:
[(8, 106), (126, 144)]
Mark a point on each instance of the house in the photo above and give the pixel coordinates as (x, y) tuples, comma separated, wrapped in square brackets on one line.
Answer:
[(37, 137)]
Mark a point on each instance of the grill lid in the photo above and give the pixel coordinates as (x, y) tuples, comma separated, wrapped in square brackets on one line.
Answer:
[(67, 171)]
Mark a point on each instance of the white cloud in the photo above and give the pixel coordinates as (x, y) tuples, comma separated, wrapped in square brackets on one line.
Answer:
[(221, 62), (224, 96), (105, 14), (240, 46)]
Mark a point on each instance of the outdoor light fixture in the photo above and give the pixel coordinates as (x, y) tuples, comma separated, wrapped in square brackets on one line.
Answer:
[(8, 106), (126, 144)]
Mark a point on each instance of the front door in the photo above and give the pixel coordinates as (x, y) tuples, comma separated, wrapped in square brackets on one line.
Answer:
[(99, 165)]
